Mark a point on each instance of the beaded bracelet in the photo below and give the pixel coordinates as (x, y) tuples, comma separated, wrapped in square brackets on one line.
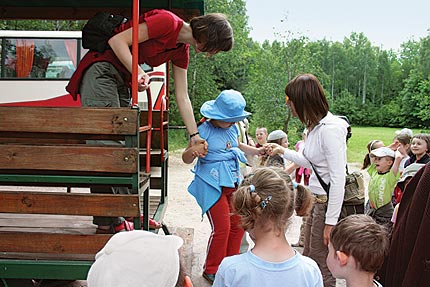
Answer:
[(194, 134)]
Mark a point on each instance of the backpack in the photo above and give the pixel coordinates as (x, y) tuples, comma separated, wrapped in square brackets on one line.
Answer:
[(99, 29), (349, 131)]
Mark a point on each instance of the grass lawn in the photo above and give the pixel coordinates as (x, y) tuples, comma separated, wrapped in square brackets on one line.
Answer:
[(361, 136)]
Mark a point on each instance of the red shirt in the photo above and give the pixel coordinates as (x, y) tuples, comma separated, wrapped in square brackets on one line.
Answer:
[(161, 47)]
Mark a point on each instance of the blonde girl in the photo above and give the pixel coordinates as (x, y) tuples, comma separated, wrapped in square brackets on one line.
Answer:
[(265, 202)]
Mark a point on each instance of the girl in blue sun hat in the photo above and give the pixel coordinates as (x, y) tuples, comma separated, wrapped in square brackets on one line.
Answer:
[(217, 175)]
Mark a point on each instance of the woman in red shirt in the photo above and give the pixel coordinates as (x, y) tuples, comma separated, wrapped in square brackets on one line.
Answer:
[(103, 79), (163, 37)]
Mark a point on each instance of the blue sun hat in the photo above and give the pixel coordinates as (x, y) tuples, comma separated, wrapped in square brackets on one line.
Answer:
[(229, 106)]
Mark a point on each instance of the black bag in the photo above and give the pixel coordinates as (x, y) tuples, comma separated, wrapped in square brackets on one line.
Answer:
[(99, 29)]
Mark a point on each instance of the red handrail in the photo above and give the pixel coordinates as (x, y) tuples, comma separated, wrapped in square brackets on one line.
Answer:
[(149, 132), (134, 52)]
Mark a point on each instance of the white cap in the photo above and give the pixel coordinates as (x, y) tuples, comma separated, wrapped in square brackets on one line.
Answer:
[(405, 131), (383, 151), (137, 259), (276, 134)]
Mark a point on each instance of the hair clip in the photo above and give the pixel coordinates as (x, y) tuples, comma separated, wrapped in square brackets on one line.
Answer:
[(251, 188), (265, 201), (295, 184)]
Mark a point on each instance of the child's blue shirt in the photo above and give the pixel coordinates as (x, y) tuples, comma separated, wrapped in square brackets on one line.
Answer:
[(220, 167), (248, 270)]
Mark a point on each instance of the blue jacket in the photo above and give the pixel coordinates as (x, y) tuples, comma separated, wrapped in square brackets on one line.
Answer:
[(219, 168)]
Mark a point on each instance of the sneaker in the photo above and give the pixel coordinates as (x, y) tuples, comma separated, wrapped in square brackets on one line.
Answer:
[(123, 226), (209, 277)]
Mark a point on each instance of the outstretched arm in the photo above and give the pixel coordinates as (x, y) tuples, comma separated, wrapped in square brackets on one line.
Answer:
[(398, 158), (250, 150), (184, 104)]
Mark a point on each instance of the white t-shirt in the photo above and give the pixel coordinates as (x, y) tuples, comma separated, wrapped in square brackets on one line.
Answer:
[(248, 270)]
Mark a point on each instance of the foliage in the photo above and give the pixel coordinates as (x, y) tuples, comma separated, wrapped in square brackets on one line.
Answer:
[(177, 139)]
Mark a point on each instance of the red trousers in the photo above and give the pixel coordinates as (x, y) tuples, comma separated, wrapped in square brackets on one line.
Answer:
[(226, 235)]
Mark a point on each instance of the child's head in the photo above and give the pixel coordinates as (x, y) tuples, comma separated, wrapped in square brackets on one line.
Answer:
[(383, 158), (407, 132), (265, 200), (273, 160), (227, 109), (420, 144), (261, 135), (403, 140), (357, 243), (373, 144), (135, 258), (279, 137)]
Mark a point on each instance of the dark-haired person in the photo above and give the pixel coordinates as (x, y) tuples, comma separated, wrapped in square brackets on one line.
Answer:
[(325, 153), (103, 79)]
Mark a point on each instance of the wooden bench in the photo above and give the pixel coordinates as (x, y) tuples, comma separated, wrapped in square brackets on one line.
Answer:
[(46, 167)]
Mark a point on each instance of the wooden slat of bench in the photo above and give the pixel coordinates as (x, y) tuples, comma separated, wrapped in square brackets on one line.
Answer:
[(44, 256), (80, 120), (65, 224), (52, 243), (68, 158), (69, 203)]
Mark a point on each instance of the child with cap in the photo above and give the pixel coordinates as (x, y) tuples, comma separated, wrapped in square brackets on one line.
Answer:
[(136, 258), (265, 202), (373, 144), (218, 174), (384, 173), (356, 251), (281, 138)]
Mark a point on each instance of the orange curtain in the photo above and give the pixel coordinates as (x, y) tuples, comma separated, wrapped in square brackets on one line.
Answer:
[(24, 57), (72, 48)]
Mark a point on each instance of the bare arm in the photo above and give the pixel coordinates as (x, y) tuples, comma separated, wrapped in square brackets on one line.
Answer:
[(398, 158), (184, 103), (250, 150), (120, 44)]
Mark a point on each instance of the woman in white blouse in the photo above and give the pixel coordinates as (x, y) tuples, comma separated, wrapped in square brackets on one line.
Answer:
[(325, 153)]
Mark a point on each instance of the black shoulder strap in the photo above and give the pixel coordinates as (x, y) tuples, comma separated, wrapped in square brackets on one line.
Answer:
[(324, 185)]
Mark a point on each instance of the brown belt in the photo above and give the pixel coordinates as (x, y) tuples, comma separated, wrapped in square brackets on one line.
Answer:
[(320, 198)]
